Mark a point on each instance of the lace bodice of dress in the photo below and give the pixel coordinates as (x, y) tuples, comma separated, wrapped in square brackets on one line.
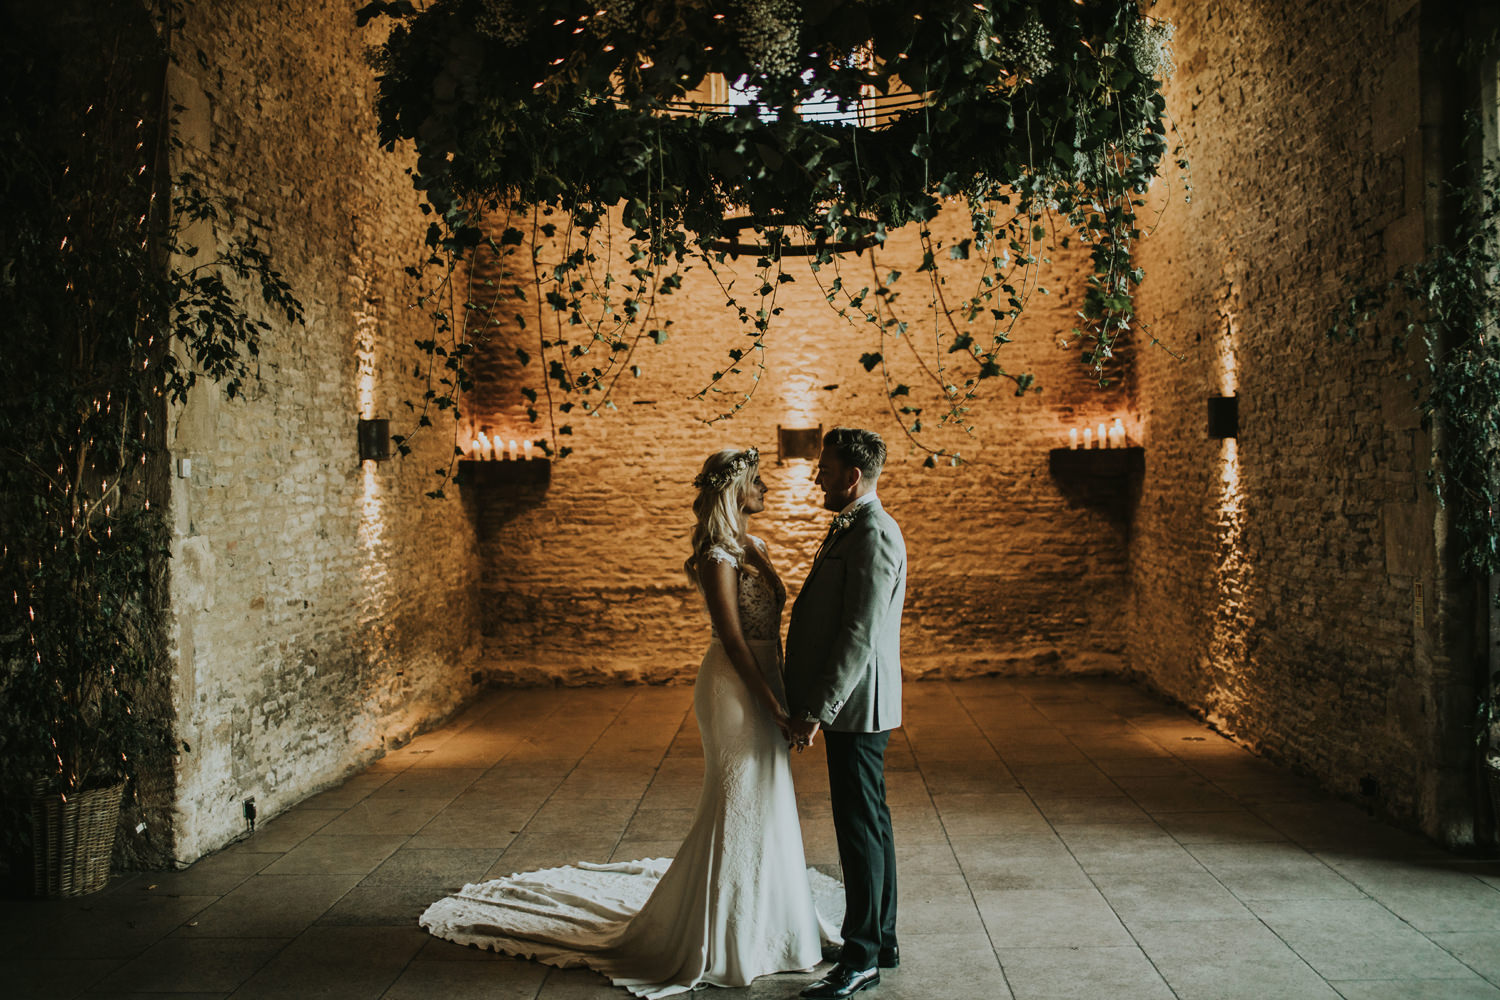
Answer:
[(761, 600)]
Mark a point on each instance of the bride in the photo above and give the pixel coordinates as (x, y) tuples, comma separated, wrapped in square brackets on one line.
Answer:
[(737, 901)]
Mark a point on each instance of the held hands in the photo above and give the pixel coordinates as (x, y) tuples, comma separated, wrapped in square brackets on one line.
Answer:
[(801, 734), (782, 722), (797, 733)]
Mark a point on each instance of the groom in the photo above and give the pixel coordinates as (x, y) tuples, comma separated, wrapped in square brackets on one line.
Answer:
[(843, 675)]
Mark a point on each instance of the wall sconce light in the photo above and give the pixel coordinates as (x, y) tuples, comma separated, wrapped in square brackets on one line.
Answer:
[(1223, 416), (374, 440), (798, 442)]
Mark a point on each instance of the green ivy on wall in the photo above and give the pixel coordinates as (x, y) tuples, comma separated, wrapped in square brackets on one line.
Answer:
[(1449, 301)]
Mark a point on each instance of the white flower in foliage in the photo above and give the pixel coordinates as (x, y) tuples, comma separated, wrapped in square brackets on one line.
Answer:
[(769, 34), (1030, 51), (1150, 44)]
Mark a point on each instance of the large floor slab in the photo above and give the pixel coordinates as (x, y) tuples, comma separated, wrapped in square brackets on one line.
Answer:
[(1056, 839)]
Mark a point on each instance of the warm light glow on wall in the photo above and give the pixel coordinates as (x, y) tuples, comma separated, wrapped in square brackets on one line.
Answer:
[(374, 622), (795, 506), (1229, 454), (1228, 374), (1229, 477), (800, 487), (373, 577), (366, 357), (371, 521), (799, 402), (366, 385), (1233, 574), (372, 543), (1233, 581)]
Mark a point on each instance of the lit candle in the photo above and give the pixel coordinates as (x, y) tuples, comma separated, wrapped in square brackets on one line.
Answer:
[(1073, 439), (1103, 437), (1088, 438), (512, 450), (1117, 434), (485, 447), (528, 450)]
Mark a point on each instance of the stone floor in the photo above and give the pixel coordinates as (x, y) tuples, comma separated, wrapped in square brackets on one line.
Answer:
[(1056, 839)]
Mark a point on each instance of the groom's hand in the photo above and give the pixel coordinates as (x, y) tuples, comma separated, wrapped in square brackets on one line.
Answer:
[(802, 733)]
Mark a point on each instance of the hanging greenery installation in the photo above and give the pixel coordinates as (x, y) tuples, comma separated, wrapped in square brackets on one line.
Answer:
[(707, 130)]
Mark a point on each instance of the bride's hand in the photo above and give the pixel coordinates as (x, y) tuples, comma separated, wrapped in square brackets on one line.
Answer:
[(783, 723)]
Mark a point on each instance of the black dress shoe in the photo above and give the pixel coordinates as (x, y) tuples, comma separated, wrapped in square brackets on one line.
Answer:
[(841, 982)]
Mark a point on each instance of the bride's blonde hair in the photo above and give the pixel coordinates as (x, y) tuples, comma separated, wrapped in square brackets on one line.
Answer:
[(720, 505)]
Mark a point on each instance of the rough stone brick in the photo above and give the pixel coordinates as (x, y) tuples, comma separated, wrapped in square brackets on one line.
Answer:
[(320, 610), (1008, 571), (323, 611), (1272, 577)]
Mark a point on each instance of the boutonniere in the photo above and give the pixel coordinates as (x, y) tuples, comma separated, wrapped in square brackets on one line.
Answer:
[(848, 517)]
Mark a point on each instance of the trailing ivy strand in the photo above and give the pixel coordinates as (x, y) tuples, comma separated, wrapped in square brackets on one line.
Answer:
[(1448, 300), (697, 124)]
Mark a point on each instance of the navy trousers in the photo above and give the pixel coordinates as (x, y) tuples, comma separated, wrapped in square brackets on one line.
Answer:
[(867, 849)]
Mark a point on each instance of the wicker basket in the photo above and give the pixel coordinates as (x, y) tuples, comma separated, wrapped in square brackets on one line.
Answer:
[(73, 840)]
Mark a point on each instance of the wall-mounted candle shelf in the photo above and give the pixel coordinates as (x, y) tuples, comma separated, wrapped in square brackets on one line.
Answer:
[(484, 473), (1097, 463), (1105, 480)]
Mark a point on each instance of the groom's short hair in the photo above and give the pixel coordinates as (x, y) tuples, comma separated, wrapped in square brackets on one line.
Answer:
[(857, 447)]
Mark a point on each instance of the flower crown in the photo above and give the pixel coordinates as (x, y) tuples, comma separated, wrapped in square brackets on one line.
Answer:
[(720, 480)]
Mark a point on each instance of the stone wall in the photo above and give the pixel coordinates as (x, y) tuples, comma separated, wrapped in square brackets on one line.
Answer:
[(1275, 577), (323, 608), (1011, 570)]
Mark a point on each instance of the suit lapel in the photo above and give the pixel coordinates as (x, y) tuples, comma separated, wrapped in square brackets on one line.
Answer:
[(838, 538)]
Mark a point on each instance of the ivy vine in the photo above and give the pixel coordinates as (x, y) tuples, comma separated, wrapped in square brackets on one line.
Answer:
[(1449, 301), (578, 134)]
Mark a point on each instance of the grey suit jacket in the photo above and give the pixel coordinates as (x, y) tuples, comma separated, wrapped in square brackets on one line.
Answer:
[(843, 646)]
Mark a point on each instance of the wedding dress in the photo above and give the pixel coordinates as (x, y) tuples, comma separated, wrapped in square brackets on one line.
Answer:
[(737, 902)]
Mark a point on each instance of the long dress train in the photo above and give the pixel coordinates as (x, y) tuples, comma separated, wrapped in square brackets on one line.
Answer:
[(737, 902)]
